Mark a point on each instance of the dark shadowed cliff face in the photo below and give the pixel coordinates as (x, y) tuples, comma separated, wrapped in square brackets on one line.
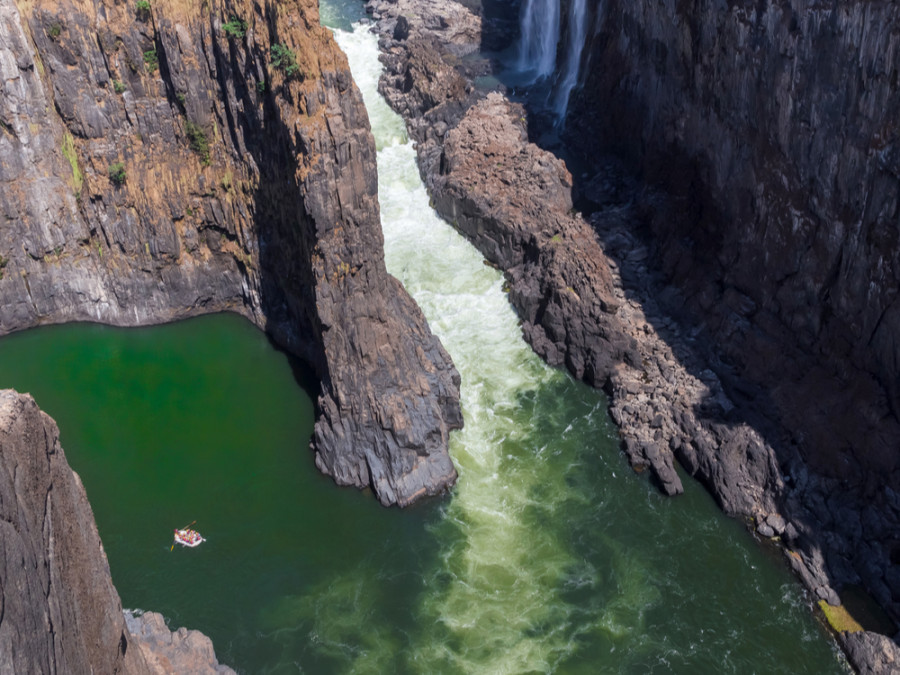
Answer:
[(773, 127), (156, 164), (771, 130)]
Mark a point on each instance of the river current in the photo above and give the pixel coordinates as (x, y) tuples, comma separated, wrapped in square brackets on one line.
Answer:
[(550, 554)]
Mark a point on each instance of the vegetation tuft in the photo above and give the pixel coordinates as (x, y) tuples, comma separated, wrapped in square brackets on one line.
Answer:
[(117, 173), (54, 30), (118, 86), (199, 141), (839, 618), (151, 60), (68, 150), (285, 60), (236, 28), (3, 263), (142, 7)]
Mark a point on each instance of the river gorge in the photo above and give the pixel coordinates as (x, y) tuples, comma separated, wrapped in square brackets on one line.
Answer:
[(550, 555), (554, 551)]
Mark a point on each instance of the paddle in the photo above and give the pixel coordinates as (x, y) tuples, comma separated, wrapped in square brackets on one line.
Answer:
[(183, 528)]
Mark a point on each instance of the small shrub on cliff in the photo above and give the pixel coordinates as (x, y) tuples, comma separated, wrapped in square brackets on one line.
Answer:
[(117, 173), (118, 86), (142, 7), (284, 60), (151, 60), (236, 28), (54, 30), (198, 140)]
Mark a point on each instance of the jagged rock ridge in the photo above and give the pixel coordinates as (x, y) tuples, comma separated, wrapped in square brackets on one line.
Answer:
[(679, 398)]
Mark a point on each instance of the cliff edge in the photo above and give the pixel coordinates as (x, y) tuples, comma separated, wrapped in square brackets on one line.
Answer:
[(592, 296)]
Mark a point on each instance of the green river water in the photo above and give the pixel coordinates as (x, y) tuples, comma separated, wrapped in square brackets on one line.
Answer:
[(549, 556)]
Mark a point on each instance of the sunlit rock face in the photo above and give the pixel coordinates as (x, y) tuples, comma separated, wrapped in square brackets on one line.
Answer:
[(162, 162), (61, 612)]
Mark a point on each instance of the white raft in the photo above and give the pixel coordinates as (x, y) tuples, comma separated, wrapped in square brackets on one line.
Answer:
[(188, 537)]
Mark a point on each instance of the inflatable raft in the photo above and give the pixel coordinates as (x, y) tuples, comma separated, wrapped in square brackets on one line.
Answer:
[(188, 537)]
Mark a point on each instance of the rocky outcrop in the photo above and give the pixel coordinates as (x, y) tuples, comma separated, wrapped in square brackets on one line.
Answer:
[(59, 611), (875, 654), (513, 201), (674, 393), (179, 651), (165, 162)]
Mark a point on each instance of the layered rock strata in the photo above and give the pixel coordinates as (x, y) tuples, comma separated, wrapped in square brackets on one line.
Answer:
[(670, 393), (184, 159), (60, 610)]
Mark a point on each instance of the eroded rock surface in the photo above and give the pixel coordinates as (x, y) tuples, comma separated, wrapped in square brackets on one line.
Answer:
[(771, 203), (178, 651), (154, 165)]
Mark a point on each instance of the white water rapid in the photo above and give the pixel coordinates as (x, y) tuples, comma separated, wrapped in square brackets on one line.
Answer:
[(497, 564), (549, 556)]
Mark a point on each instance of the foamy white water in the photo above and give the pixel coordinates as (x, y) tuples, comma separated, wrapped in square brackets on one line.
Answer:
[(502, 572)]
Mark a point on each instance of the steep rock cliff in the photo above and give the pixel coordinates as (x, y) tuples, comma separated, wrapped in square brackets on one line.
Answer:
[(164, 162), (766, 137), (679, 397), (60, 611), (772, 124)]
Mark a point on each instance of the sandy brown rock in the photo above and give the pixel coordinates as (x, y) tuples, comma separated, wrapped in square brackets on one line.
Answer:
[(178, 651), (154, 167)]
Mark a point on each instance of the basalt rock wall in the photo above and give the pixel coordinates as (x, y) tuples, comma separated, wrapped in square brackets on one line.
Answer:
[(163, 162), (61, 612), (765, 135), (772, 128), (592, 297)]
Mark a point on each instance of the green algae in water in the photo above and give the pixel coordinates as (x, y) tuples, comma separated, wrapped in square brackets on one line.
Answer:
[(205, 420)]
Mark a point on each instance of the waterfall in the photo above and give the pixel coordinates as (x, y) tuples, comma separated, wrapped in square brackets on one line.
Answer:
[(539, 37), (576, 33)]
